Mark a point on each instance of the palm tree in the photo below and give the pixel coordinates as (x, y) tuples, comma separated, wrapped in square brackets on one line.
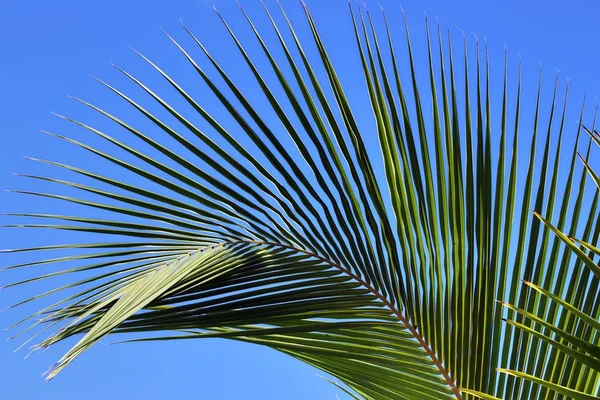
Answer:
[(389, 270)]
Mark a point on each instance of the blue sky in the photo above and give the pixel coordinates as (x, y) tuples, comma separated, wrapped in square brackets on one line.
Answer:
[(49, 50)]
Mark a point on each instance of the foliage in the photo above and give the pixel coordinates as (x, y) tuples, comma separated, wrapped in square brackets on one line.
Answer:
[(381, 269)]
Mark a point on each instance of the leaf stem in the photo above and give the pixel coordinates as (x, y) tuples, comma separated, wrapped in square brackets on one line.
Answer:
[(451, 383)]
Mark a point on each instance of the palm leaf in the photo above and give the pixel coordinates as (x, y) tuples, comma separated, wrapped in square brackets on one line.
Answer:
[(286, 229)]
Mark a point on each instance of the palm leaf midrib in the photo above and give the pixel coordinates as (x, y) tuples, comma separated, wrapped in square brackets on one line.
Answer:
[(393, 309)]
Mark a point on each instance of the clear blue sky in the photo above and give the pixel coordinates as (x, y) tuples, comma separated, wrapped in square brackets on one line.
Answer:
[(49, 49)]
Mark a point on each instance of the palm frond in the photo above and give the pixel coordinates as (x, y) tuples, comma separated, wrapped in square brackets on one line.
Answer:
[(286, 229)]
